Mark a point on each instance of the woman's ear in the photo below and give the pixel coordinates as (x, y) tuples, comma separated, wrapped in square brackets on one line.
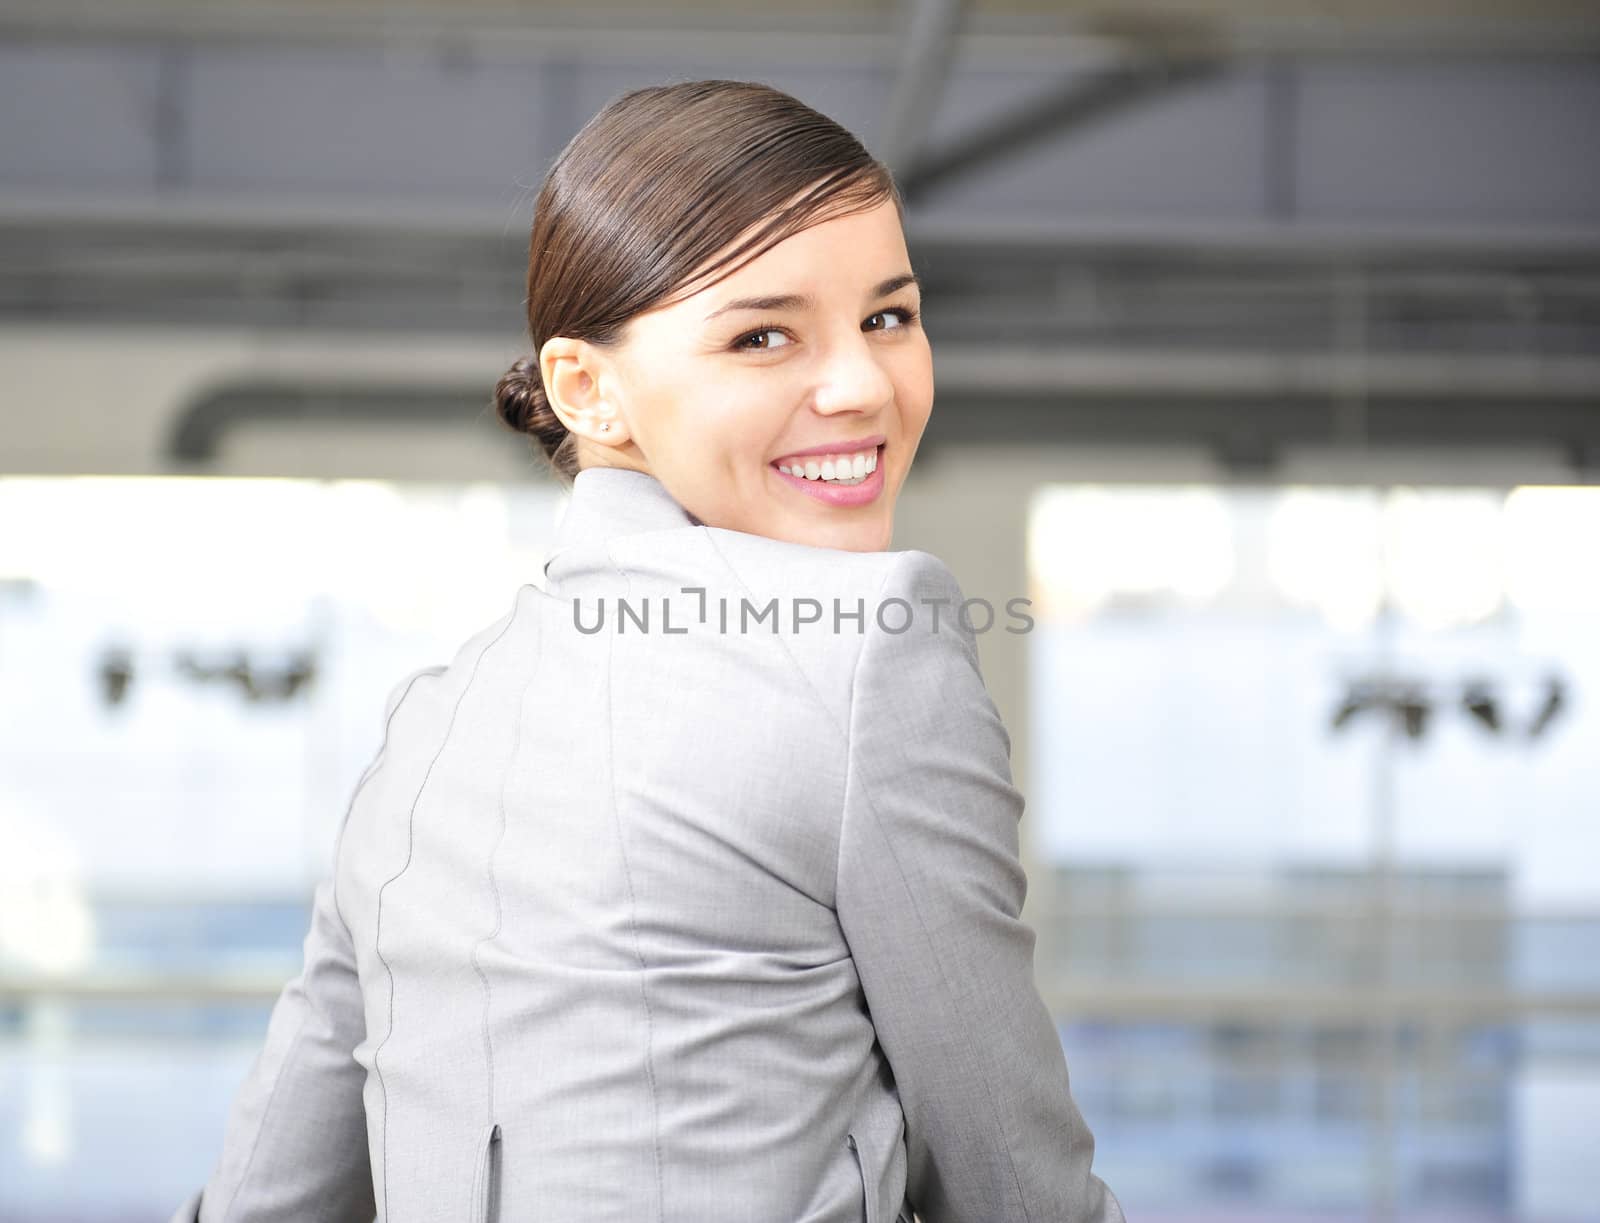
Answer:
[(574, 372)]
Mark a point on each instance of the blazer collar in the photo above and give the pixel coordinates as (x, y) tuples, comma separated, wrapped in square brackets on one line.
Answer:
[(610, 501)]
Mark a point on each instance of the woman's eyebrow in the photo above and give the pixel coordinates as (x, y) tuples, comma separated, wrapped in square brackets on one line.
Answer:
[(804, 301)]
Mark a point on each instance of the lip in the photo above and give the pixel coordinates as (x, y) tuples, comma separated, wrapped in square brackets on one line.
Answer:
[(861, 443), (844, 497)]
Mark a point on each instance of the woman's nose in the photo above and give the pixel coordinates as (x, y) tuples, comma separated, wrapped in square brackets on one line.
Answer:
[(853, 379)]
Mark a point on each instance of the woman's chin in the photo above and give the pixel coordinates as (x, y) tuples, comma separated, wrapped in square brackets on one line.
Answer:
[(868, 535)]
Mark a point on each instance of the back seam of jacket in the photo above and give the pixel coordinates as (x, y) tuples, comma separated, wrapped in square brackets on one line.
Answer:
[(377, 934), (494, 886), (633, 905)]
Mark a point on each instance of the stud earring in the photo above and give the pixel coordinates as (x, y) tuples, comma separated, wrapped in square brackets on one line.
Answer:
[(605, 426)]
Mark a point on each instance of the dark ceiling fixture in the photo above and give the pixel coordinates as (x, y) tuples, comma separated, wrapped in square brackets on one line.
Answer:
[(1411, 707)]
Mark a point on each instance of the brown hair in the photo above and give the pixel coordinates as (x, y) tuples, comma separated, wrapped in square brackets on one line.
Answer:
[(653, 186)]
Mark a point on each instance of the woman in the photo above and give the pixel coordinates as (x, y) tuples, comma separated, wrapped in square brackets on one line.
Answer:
[(689, 889)]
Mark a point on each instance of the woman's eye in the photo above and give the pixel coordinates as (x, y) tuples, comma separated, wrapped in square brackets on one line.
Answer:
[(745, 341), (904, 313)]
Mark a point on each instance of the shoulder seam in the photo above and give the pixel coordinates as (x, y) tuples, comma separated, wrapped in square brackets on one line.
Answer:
[(850, 720)]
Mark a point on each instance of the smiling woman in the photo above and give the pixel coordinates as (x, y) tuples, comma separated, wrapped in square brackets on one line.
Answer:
[(729, 306), (701, 925)]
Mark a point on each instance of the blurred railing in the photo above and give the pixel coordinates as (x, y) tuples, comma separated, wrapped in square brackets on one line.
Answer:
[(1247, 1056)]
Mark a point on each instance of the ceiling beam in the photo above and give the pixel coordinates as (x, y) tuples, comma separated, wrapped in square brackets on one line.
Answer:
[(1073, 105), (920, 79)]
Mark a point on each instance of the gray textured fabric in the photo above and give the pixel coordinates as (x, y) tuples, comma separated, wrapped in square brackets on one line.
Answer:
[(681, 924)]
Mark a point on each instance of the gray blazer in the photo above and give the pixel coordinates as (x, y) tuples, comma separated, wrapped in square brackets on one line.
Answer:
[(709, 915)]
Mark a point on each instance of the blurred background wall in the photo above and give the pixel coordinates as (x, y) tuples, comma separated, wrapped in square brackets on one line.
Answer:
[(1267, 345)]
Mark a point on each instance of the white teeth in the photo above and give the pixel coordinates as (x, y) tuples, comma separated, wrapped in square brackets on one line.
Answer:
[(841, 469)]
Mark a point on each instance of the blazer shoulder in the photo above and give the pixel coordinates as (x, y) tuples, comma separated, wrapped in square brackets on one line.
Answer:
[(913, 571), (403, 687), (923, 628), (904, 594), (927, 601), (432, 688)]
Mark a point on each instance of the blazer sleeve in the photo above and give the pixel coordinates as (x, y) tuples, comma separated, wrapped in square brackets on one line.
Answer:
[(929, 896), (295, 1146)]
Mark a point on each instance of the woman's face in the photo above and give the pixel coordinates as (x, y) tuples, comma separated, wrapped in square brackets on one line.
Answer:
[(808, 358)]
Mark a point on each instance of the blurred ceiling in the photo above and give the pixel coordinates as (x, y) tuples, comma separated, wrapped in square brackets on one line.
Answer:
[(1555, 26), (1241, 222)]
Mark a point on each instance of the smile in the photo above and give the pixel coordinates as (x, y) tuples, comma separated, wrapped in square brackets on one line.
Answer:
[(846, 478), (846, 468)]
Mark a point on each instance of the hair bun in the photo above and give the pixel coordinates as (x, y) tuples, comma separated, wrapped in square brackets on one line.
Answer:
[(520, 399), (520, 394)]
